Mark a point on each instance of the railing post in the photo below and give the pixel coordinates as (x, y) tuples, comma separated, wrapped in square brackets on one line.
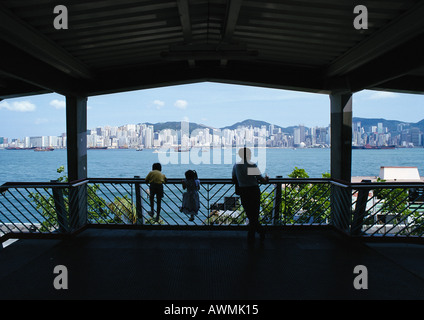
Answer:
[(360, 209), (341, 206), (208, 205), (138, 202), (277, 201), (61, 213)]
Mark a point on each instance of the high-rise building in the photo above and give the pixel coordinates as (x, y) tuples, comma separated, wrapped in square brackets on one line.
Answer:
[(296, 136), (416, 137)]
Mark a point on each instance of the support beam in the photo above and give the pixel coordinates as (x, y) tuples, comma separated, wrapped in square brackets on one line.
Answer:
[(243, 73), (390, 66), (76, 137), (76, 129), (233, 10), (407, 84), (341, 136), (183, 10), (341, 158), (27, 38), (407, 26), (16, 88), (22, 66)]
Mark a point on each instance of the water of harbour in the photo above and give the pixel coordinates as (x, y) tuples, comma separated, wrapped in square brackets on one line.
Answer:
[(27, 165)]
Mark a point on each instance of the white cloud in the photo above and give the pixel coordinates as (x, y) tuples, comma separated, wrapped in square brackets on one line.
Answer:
[(58, 104), (382, 95), (19, 106), (158, 103), (181, 104)]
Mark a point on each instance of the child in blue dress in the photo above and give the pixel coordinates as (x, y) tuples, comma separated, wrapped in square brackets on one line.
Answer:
[(191, 202)]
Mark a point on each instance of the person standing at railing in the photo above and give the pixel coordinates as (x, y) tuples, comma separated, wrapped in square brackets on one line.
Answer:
[(156, 179), (246, 176), (191, 202)]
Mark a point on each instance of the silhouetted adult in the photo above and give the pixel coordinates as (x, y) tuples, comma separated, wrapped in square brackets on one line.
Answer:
[(246, 176)]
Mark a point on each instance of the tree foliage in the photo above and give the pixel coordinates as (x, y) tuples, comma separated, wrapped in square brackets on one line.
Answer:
[(396, 203), (300, 202), (98, 209)]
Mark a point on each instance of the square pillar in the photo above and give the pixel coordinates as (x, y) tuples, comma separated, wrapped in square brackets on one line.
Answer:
[(76, 137), (341, 136), (341, 159), (76, 141)]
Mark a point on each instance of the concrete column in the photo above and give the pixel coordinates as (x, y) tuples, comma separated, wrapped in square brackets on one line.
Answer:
[(341, 158), (76, 140), (341, 136), (76, 137)]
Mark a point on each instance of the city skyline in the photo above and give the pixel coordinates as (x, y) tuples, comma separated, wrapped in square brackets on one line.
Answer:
[(373, 132), (212, 104)]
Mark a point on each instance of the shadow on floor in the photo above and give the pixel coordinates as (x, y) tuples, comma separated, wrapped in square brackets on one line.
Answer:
[(165, 264)]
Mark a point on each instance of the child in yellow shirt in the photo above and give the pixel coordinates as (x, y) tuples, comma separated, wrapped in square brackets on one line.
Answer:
[(156, 179)]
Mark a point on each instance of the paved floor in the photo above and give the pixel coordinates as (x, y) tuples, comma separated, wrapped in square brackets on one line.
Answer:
[(164, 264)]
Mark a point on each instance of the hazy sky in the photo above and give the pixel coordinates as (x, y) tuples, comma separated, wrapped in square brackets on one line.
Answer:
[(212, 104)]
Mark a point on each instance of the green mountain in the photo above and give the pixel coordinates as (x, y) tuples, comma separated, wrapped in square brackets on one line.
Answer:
[(176, 125), (392, 125), (248, 123)]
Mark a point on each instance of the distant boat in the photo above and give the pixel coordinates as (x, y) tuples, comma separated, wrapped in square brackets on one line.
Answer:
[(97, 148), (18, 148), (139, 149), (43, 149), (369, 147)]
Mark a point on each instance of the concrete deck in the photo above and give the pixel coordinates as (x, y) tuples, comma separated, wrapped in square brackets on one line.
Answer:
[(165, 264)]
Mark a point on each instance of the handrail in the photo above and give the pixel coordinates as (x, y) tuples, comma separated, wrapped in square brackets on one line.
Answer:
[(397, 184), (211, 180), (359, 207), (340, 183), (51, 184)]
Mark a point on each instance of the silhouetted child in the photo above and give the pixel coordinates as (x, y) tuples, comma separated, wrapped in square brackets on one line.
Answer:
[(191, 202), (156, 179)]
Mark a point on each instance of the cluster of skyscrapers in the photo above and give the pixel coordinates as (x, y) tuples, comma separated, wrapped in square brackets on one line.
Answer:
[(401, 135), (145, 136)]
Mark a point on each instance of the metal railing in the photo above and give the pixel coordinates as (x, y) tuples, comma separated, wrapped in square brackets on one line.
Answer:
[(364, 209), (388, 209), (126, 201), (32, 207)]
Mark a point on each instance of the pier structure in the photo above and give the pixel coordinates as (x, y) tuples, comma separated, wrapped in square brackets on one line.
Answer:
[(83, 49)]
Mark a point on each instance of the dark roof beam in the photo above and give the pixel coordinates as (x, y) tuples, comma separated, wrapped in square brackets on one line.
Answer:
[(405, 84), (402, 29), (230, 22), (22, 66), (16, 88), (210, 55), (150, 76), (31, 41), (183, 10), (233, 10), (390, 66)]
